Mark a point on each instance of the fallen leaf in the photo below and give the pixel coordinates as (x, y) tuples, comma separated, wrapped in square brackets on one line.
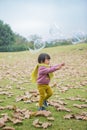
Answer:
[(62, 108), (80, 116), (2, 123), (50, 118), (18, 115), (28, 101), (19, 98), (3, 120), (37, 124), (27, 114), (8, 128), (68, 116), (58, 106), (9, 94), (9, 107), (55, 104), (77, 99), (35, 121), (80, 106), (43, 113), (61, 102), (2, 108), (46, 125), (33, 91), (16, 121)]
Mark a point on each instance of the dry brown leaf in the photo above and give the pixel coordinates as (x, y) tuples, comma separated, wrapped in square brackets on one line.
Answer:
[(68, 116), (21, 88), (4, 93), (77, 99), (34, 100), (22, 114), (53, 103), (37, 123), (84, 113), (38, 126), (46, 125), (85, 118), (2, 108), (33, 91), (10, 107), (28, 101), (50, 118), (80, 106), (24, 97), (16, 121), (2, 123), (80, 116), (54, 85), (58, 106), (28, 95), (63, 89), (18, 115), (9, 94), (8, 128), (62, 108), (61, 102), (33, 113), (19, 98), (58, 102), (3, 120), (8, 87), (27, 114), (43, 113)]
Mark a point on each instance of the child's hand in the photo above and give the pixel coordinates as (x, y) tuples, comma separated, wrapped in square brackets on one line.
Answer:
[(62, 64)]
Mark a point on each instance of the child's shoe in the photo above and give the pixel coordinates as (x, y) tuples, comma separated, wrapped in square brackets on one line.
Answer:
[(45, 103), (41, 108)]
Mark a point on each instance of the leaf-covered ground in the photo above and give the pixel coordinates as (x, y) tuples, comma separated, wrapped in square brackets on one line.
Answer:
[(19, 97)]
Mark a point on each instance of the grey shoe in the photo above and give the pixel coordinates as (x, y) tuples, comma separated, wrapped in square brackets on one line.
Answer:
[(41, 108), (45, 103)]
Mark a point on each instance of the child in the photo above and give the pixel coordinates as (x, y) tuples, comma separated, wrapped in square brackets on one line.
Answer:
[(42, 74)]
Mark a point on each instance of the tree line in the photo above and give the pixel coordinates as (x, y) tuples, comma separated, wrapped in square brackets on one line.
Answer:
[(10, 41)]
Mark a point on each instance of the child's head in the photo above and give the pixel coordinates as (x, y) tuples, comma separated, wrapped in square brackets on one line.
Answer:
[(44, 58)]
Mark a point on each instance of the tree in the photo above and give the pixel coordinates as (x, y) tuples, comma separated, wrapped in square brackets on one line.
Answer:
[(6, 34), (20, 39)]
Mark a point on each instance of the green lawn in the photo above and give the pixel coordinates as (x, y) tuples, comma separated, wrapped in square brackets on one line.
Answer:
[(71, 82)]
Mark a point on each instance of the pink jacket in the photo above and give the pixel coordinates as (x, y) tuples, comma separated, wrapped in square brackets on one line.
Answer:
[(43, 74)]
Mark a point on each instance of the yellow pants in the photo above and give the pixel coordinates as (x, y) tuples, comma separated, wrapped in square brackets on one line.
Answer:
[(45, 92)]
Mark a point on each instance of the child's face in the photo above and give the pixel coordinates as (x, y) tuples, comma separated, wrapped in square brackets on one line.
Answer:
[(47, 61)]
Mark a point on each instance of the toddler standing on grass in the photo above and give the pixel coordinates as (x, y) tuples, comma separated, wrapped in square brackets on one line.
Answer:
[(42, 74)]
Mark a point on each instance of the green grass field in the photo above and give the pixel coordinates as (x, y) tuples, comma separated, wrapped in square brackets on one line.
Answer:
[(70, 88)]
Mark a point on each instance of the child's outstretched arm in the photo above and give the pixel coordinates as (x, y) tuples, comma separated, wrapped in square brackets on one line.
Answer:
[(60, 66), (44, 70)]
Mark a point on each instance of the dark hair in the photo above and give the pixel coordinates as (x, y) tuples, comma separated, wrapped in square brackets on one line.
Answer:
[(42, 57)]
